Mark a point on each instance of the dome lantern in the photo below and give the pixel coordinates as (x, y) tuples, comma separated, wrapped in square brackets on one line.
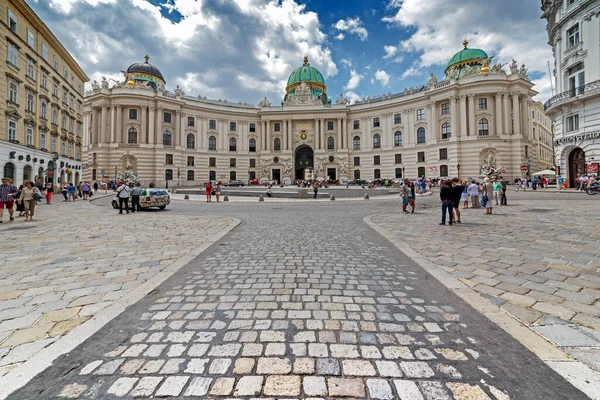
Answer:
[(465, 59), (309, 75), (146, 73)]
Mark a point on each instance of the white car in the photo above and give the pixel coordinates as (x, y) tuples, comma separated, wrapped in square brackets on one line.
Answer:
[(149, 198)]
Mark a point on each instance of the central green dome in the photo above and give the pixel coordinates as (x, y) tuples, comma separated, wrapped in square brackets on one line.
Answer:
[(309, 75), (466, 56)]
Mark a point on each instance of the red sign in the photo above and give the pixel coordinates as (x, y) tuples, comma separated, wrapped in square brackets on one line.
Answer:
[(50, 173), (592, 168), (523, 167), (503, 171)]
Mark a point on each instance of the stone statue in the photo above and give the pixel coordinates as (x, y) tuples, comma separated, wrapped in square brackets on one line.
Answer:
[(513, 66), (287, 169), (303, 90), (341, 99), (432, 80), (453, 73), (104, 83), (470, 70), (265, 167), (95, 85), (487, 62), (320, 167), (343, 166), (128, 164), (497, 68), (523, 72), (179, 91), (264, 103)]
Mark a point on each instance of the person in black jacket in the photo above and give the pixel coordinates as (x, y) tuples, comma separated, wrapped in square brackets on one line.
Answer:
[(457, 190), (447, 198)]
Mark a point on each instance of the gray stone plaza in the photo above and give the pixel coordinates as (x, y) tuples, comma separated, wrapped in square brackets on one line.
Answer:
[(303, 299)]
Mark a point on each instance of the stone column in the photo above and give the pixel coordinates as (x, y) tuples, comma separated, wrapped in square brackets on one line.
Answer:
[(526, 118), (507, 122), (268, 142), (321, 133), (151, 129), (263, 135), (472, 122), (498, 105), (454, 117), (144, 134), (285, 135), (158, 127), (463, 116), (316, 135), (200, 129), (113, 136), (177, 128), (365, 143), (344, 129), (118, 135), (338, 144), (103, 126), (432, 127), (516, 113)]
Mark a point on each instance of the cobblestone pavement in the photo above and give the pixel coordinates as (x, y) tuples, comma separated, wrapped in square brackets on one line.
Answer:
[(76, 260), (300, 302)]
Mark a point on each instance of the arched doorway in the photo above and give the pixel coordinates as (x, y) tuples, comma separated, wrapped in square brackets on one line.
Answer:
[(9, 172), (576, 165), (304, 159), (27, 176)]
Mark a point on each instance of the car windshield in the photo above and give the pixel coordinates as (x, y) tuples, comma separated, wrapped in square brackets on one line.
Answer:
[(158, 193)]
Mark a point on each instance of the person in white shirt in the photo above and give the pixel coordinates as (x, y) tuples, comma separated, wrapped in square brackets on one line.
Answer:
[(123, 194), (474, 194)]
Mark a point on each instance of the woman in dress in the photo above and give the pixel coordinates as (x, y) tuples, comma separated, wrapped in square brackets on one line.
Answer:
[(218, 190), (487, 192), (464, 197)]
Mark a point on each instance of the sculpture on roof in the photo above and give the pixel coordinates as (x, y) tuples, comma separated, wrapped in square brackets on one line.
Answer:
[(341, 99), (497, 68), (264, 103), (95, 85), (179, 91), (104, 83), (513, 66), (523, 72), (432, 80)]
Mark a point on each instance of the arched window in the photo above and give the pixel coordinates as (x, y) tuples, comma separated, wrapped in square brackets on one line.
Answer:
[(356, 143), (377, 174), (27, 173), (398, 138), (232, 175), (190, 175), (443, 170), (167, 138), (168, 174), (132, 136), (398, 174), (446, 130), (190, 141), (483, 127), (421, 135), (277, 144), (376, 141), (357, 174), (330, 143), (252, 145), (232, 144), (212, 143), (40, 175)]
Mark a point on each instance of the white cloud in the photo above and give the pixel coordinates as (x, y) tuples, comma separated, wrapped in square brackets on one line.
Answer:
[(412, 71), (353, 97), (66, 5), (383, 77), (346, 62), (390, 51), (355, 78), (352, 26), (340, 36)]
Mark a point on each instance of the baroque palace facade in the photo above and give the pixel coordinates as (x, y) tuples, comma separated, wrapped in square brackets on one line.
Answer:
[(477, 120), (41, 90)]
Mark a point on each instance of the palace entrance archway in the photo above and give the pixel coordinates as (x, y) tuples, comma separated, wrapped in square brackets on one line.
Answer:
[(303, 159), (576, 165)]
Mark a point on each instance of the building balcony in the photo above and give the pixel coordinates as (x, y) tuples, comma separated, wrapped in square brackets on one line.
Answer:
[(578, 93)]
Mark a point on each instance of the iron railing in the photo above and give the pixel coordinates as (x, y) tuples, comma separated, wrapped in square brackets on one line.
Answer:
[(571, 93)]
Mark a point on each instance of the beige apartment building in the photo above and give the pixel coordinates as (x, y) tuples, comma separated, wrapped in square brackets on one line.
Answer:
[(543, 136), (41, 90), (475, 120)]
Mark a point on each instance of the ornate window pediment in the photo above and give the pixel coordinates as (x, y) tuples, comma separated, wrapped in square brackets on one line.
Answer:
[(12, 112), (29, 121)]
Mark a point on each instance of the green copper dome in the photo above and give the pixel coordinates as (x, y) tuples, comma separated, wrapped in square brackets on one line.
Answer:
[(466, 56), (309, 75)]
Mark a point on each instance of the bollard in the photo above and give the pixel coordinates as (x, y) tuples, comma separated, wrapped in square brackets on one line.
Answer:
[(332, 197), (226, 198), (186, 197), (261, 198), (366, 197)]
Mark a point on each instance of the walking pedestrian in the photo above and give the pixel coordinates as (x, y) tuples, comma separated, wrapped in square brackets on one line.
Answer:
[(560, 182), (64, 190), (29, 197), (412, 198), (208, 187), (136, 192), (96, 186), (457, 191), (8, 193), (497, 186), (503, 193), (464, 197), (446, 196), (71, 191), (405, 194), (474, 194), (218, 190), (315, 187), (85, 190), (123, 194), (486, 195), (49, 192)]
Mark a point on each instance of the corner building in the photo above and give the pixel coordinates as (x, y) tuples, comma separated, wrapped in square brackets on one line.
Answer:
[(41, 90), (477, 119)]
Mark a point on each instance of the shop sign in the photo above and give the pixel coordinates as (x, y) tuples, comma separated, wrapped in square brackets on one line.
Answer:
[(574, 138), (592, 168)]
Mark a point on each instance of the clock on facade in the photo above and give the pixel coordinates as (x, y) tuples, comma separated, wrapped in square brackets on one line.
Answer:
[(303, 135)]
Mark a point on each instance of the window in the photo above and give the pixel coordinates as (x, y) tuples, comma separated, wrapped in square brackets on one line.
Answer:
[(45, 52), (29, 136), (30, 39), (71, 124), (232, 175), (70, 153), (190, 141), (397, 119), (13, 92), (252, 128), (63, 148), (356, 143), (232, 144), (132, 136), (376, 160), (446, 130), (253, 163), (421, 172), (277, 144), (212, 124), (42, 140), (190, 161), (133, 113), (573, 36), (55, 89), (65, 72), (376, 141), (572, 123), (169, 159), (12, 21), (443, 154), (377, 174), (232, 126), (30, 68), (421, 156), (64, 122), (329, 125), (576, 78), (167, 117), (420, 114), (44, 109), (212, 162), (482, 103), (167, 138), (445, 108), (356, 124), (443, 170), (54, 116), (56, 63), (330, 143), (190, 175), (191, 121), (277, 127), (212, 143), (232, 162), (398, 138), (526, 151), (398, 158), (168, 174), (357, 174), (356, 161), (483, 127), (398, 173), (252, 145), (376, 122), (13, 54), (54, 140), (421, 135), (44, 75), (65, 96)]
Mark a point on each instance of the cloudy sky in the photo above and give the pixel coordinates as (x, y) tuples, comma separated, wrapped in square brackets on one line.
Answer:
[(243, 50)]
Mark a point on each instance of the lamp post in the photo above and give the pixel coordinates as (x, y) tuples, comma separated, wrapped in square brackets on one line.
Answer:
[(116, 175), (458, 169), (528, 168), (403, 175)]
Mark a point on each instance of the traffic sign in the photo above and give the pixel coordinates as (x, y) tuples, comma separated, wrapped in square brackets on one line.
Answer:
[(523, 167), (102, 173), (503, 171)]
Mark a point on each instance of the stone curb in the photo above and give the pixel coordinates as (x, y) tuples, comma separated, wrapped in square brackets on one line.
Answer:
[(22, 374), (586, 380)]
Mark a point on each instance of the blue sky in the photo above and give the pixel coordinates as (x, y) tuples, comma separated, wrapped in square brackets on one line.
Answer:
[(244, 50)]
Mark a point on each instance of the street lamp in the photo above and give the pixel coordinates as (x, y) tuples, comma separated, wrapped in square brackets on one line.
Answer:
[(115, 175), (458, 169), (403, 176)]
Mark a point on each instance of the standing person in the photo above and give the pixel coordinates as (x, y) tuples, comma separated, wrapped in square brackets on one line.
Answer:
[(8, 193), (412, 197), (405, 193), (136, 192), (447, 198), (497, 187), (208, 187), (96, 186), (503, 193), (123, 194), (49, 190), (560, 182), (28, 197), (457, 192), (474, 194), (71, 191), (464, 197), (487, 189), (218, 190), (315, 187), (423, 185), (85, 190), (65, 191)]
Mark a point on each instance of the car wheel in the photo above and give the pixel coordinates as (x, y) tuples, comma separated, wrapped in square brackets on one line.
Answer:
[(162, 207), (115, 205)]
